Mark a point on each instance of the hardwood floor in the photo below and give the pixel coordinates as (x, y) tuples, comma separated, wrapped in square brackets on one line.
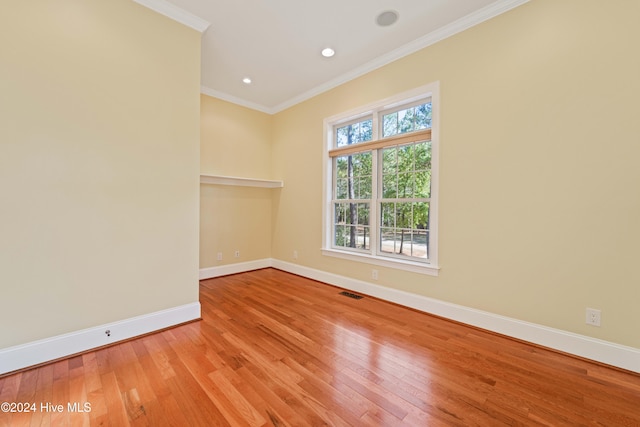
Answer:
[(274, 349)]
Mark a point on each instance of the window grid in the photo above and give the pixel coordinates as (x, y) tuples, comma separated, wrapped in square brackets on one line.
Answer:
[(352, 190), (393, 221), (402, 201)]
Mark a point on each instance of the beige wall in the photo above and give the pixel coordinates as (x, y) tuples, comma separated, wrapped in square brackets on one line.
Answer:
[(235, 141), (99, 162), (539, 151)]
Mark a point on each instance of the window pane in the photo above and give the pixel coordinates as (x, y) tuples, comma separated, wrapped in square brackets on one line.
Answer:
[(404, 228), (389, 160), (341, 167), (339, 238), (403, 242), (421, 216), (354, 133), (363, 213), (422, 151), (407, 120), (352, 213), (350, 236), (423, 116), (340, 213), (341, 188), (404, 215), (353, 176), (387, 214), (355, 194), (366, 128), (362, 237), (405, 158), (346, 236), (423, 184), (405, 185), (343, 136), (420, 244), (414, 243), (364, 188), (389, 124), (361, 164), (351, 225), (389, 186), (387, 240)]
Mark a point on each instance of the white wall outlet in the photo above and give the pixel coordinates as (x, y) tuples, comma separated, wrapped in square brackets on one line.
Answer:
[(593, 317), (295, 254), (219, 256), (374, 274), (237, 254)]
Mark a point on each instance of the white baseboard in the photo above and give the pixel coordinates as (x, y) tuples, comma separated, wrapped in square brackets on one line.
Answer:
[(241, 267), (48, 349), (33, 353), (579, 345)]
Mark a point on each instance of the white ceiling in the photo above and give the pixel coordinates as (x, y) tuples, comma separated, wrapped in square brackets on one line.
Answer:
[(277, 43)]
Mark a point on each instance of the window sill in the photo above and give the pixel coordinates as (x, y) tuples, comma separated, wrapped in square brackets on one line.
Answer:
[(414, 267)]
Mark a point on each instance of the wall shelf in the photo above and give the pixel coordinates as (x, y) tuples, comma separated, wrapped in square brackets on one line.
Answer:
[(242, 182)]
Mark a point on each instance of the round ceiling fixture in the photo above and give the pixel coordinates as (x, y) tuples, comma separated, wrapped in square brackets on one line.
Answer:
[(246, 81), (327, 52), (386, 18)]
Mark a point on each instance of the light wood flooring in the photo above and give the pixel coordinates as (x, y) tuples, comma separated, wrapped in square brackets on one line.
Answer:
[(275, 349)]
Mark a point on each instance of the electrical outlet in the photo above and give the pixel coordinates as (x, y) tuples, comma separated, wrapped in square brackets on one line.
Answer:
[(219, 256), (295, 254), (374, 274), (237, 254), (593, 317)]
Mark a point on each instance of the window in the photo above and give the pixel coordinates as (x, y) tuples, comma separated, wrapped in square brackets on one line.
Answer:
[(381, 176)]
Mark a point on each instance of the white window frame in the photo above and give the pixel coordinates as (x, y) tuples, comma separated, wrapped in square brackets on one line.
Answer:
[(397, 102)]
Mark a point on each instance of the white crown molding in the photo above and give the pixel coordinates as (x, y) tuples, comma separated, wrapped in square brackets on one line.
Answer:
[(177, 14), (235, 100), (488, 12), (49, 349)]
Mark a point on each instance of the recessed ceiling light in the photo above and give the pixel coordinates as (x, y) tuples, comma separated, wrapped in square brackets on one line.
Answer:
[(386, 18), (327, 52), (246, 80)]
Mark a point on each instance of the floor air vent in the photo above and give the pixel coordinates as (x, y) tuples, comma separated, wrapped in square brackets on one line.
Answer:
[(350, 295)]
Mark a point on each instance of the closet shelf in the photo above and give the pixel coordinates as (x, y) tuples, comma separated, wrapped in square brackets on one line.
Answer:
[(242, 182)]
